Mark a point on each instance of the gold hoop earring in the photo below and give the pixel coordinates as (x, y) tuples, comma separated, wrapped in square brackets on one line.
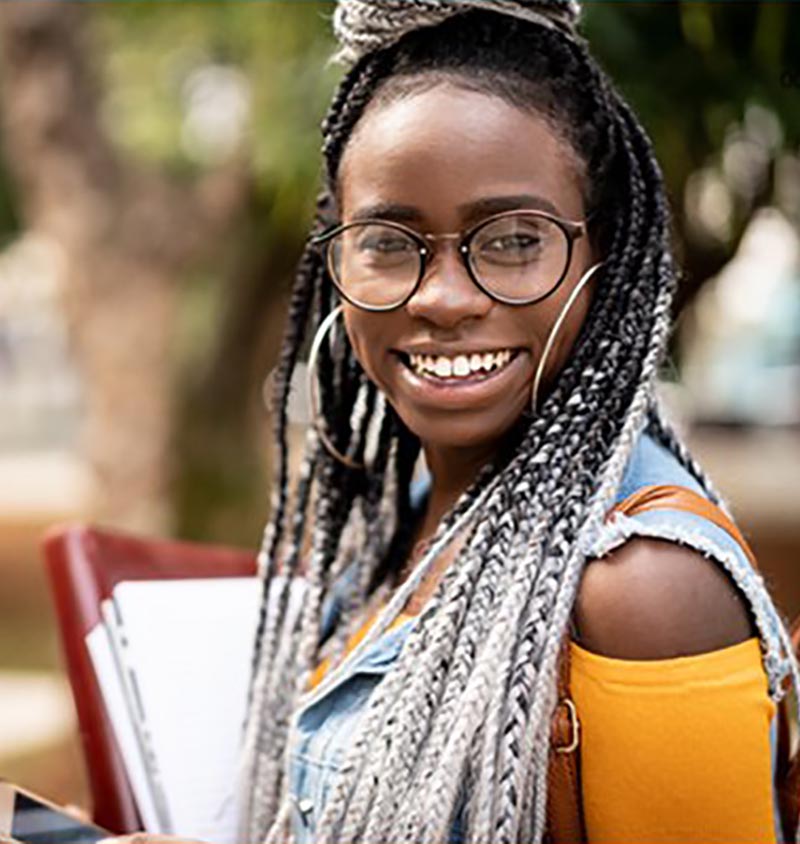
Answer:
[(573, 297), (317, 419)]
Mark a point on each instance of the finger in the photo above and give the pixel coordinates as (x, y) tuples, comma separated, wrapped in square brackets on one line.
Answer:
[(78, 812)]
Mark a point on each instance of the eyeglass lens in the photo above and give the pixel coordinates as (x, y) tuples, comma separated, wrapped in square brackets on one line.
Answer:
[(519, 257)]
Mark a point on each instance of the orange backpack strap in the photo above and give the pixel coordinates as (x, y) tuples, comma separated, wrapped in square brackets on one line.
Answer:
[(565, 820), (667, 497)]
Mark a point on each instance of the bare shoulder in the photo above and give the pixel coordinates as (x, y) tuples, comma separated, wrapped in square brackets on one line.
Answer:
[(656, 599)]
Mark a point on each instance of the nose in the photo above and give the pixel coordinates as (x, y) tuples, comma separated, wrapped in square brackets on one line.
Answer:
[(447, 294)]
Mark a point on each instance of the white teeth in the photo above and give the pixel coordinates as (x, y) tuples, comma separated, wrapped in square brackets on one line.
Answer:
[(443, 368), (460, 366)]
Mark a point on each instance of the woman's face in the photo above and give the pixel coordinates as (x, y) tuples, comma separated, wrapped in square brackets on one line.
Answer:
[(440, 161)]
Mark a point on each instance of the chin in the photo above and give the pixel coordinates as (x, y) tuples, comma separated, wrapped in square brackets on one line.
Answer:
[(461, 430)]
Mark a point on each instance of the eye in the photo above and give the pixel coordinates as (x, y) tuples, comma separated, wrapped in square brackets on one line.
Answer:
[(514, 241), (510, 243), (384, 243)]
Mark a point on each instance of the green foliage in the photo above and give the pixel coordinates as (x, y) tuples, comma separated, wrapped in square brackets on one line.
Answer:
[(691, 68), (149, 55), (152, 49), (9, 218)]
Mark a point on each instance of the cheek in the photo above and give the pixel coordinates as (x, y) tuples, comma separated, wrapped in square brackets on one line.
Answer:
[(572, 324), (540, 320), (354, 332), (537, 321), (363, 338)]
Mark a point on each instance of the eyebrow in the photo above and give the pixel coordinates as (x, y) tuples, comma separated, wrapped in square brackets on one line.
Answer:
[(496, 204), (387, 211), (470, 210)]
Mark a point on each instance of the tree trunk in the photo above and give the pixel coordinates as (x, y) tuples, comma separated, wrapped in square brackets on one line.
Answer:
[(127, 237)]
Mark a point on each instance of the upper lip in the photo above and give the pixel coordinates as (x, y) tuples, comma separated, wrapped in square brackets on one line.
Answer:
[(453, 351)]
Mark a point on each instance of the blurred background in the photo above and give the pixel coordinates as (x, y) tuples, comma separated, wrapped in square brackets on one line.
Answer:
[(158, 168)]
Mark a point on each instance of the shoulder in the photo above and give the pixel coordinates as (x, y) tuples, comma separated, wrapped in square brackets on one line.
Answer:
[(656, 599), (644, 597)]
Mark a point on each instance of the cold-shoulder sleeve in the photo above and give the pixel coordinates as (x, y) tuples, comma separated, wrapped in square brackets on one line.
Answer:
[(676, 750)]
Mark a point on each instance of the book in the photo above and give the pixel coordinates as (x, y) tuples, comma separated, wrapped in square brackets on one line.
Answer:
[(173, 661)]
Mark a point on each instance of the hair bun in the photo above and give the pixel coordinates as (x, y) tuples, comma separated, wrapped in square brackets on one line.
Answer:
[(363, 26)]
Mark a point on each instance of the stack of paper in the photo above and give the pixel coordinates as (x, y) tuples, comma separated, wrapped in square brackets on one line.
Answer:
[(173, 660)]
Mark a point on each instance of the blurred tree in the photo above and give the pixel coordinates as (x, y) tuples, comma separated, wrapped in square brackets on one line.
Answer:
[(712, 84), (179, 234), (233, 316), (172, 150)]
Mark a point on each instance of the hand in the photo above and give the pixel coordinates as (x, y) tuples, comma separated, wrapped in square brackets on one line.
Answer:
[(78, 813), (146, 838)]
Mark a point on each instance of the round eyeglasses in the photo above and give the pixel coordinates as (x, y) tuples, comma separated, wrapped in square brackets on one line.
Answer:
[(516, 257)]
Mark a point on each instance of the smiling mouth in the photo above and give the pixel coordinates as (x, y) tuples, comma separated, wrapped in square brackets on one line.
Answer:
[(467, 369)]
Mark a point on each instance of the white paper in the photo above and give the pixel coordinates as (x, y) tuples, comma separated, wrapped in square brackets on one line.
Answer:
[(110, 681), (186, 646)]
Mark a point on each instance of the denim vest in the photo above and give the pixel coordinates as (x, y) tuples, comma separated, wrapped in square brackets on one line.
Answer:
[(323, 729)]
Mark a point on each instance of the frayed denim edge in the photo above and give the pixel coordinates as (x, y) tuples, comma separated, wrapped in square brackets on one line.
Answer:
[(779, 662)]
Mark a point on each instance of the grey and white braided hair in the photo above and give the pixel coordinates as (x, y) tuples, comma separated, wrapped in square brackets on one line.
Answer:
[(470, 698), (363, 26)]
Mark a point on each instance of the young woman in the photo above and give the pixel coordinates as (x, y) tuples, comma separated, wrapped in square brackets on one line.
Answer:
[(489, 282)]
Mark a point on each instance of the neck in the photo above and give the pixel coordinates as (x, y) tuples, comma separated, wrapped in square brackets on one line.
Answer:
[(452, 472), (453, 469)]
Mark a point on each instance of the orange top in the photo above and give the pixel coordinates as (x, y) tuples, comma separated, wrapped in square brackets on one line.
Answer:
[(672, 750), (675, 750)]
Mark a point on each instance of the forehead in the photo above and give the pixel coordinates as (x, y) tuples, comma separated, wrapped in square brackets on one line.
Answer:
[(445, 147)]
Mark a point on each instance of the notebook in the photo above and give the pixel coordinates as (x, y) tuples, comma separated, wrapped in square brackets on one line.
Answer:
[(172, 658)]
